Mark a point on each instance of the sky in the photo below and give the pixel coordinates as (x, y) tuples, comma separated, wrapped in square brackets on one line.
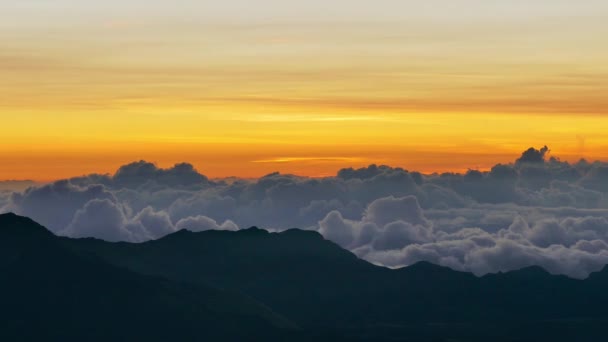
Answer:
[(245, 88)]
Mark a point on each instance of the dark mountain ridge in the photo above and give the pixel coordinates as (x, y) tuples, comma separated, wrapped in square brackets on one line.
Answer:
[(294, 283), (49, 292)]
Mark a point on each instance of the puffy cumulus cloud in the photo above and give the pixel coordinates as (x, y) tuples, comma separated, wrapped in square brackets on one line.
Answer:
[(154, 224), (347, 233), (538, 207), (532, 180), (77, 209), (202, 223), (569, 231), (110, 221), (101, 219), (388, 223), (141, 173), (147, 175), (375, 172), (492, 218), (533, 155), (385, 210), (316, 210), (55, 205), (572, 245), (397, 234)]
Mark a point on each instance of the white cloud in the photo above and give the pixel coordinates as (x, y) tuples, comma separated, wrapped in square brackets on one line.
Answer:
[(202, 223)]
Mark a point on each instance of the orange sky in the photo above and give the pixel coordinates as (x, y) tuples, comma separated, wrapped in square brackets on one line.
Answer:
[(253, 146), (306, 88)]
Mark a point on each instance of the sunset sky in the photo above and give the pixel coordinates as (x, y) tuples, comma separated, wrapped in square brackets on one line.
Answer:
[(244, 88)]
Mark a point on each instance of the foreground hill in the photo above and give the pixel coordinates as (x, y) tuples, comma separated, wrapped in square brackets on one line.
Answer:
[(48, 292), (256, 285)]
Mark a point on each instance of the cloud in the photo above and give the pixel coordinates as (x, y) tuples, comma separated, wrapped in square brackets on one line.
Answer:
[(574, 246), (388, 223), (202, 223), (144, 174), (569, 231), (542, 210), (596, 178), (102, 219), (343, 232), (110, 221), (55, 204), (398, 234), (385, 210), (155, 224), (4, 201), (533, 155), (140, 173)]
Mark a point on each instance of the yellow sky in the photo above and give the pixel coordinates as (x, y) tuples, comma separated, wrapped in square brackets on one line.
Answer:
[(307, 88)]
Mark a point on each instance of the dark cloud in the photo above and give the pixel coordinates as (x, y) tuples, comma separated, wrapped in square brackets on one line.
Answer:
[(143, 174), (140, 173), (533, 155), (371, 172)]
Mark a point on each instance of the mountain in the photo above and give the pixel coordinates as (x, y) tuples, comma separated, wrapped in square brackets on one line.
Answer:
[(292, 285), (48, 292)]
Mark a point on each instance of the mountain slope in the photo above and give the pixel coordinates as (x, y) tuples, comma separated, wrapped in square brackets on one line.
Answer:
[(270, 284), (294, 272), (322, 287), (48, 292)]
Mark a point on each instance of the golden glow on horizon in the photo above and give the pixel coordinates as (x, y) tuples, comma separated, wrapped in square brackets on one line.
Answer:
[(250, 148), (296, 90)]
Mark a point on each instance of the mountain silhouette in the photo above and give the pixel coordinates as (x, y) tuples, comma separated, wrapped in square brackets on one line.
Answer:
[(256, 285), (49, 292)]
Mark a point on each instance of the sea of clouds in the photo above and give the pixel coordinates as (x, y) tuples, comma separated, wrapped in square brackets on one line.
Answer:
[(534, 211)]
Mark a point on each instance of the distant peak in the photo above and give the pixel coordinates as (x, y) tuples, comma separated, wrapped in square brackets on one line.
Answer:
[(532, 270), (8, 215), (525, 272), (302, 233), (11, 218), (253, 230), (11, 222)]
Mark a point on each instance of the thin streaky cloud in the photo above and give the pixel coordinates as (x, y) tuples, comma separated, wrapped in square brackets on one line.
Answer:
[(307, 159)]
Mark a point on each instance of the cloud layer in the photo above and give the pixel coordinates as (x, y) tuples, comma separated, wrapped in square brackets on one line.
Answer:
[(534, 211)]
